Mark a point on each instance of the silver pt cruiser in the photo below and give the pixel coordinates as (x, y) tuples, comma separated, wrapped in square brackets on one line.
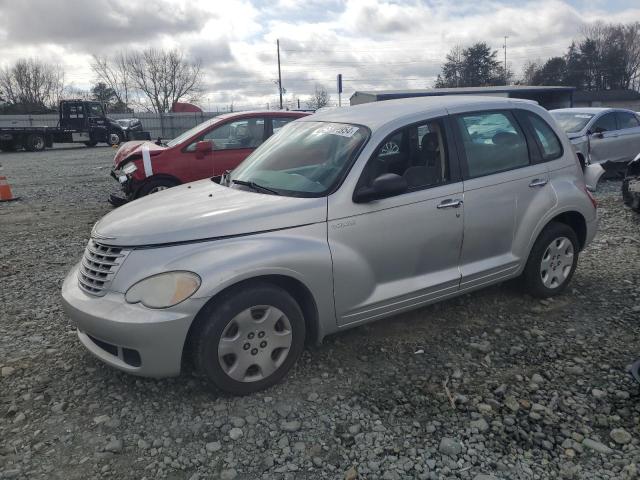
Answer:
[(341, 218)]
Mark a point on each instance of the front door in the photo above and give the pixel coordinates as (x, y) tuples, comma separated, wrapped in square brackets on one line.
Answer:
[(232, 143), (396, 253), (501, 186), (606, 145)]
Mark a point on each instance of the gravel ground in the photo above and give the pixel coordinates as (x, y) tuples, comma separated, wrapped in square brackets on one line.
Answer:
[(492, 385)]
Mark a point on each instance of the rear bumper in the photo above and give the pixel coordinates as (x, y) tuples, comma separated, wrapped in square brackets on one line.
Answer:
[(130, 337), (592, 229)]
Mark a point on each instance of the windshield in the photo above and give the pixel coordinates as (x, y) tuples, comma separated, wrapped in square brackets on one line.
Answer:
[(190, 133), (304, 159), (572, 122)]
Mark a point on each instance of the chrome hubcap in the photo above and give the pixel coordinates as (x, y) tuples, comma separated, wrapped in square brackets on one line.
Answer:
[(255, 343), (114, 139), (557, 262)]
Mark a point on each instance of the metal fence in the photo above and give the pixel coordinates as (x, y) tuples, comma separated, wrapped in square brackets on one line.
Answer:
[(167, 125)]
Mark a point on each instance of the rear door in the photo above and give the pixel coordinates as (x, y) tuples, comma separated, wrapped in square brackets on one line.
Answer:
[(628, 135), (503, 188)]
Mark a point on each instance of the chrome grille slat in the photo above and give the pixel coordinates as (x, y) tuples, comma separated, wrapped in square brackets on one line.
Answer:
[(98, 267)]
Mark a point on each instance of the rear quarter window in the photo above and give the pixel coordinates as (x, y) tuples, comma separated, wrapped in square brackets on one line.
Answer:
[(549, 143)]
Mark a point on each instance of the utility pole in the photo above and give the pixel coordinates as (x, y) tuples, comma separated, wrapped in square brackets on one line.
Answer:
[(505, 59), (280, 75)]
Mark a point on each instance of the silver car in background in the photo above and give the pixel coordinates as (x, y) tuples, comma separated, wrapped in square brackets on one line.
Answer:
[(341, 218), (601, 135)]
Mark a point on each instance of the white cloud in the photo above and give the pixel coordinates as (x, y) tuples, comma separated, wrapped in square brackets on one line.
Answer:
[(373, 43)]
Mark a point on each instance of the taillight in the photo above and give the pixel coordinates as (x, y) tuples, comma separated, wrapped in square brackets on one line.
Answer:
[(594, 202)]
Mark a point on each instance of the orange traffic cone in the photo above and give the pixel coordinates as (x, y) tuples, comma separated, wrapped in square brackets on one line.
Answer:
[(5, 191)]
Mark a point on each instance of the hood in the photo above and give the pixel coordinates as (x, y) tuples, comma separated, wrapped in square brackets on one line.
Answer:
[(134, 149), (204, 210)]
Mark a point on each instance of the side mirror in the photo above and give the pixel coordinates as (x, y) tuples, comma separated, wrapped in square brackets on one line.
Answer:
[(204, 147), (386, 185), (598, 132)]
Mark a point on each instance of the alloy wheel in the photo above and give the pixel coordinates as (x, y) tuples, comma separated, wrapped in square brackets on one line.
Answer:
[(557, 262)]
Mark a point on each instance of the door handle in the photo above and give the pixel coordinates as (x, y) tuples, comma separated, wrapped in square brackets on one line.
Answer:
[(538, 182), (450, 203)]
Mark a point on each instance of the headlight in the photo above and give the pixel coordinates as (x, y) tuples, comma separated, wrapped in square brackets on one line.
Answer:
[(164, 290), (129, 168)]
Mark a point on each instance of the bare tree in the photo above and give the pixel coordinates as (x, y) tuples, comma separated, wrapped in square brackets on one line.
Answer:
[(32, 84), (163, 77), (319, 99), (113, 73)]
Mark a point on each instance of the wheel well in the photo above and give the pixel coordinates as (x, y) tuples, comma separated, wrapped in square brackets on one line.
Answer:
[(577, 222), (160, 176), (295, 288)]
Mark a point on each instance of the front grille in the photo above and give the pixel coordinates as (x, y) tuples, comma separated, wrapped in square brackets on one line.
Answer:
[(99, 265)]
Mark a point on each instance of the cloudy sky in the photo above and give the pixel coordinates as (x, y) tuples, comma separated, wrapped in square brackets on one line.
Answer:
[(375, 44)]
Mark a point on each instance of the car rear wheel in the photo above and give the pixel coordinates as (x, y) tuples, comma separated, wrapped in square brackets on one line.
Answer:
[(552, 261), (155, 185), (35, 142), (249, 339)]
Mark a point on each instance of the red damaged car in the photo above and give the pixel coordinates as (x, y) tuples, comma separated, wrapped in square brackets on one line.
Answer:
[(205, 151)]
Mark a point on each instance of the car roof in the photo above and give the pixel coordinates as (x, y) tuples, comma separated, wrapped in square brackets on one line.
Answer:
[(376, 114), (267, 113), (592, 110)]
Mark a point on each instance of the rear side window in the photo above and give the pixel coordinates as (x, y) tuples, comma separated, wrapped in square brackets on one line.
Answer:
[(493, 142), (549, 142), (278, 123), (627, 120)]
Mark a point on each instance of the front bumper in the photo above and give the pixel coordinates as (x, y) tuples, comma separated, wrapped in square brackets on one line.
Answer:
[(130, 337), (128, 185)]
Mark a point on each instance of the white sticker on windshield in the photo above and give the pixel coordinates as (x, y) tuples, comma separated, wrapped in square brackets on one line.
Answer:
[(582, 116), (342, 130)]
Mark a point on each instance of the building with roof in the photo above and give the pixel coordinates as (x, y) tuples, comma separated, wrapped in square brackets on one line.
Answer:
[(547, 96), (608, 98)]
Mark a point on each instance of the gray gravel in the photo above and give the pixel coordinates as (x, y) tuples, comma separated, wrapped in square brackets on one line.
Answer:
[(492, 385)]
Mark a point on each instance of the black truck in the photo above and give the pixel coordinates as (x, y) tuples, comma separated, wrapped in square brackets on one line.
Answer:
[(80, 121)]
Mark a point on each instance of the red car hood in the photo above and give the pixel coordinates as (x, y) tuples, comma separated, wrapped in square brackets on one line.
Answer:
[(134, 149)]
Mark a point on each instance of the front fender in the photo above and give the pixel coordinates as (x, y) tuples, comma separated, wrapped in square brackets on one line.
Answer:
[(300, 253)]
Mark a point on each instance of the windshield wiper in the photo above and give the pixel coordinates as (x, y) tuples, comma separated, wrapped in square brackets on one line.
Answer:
[(255, 186)]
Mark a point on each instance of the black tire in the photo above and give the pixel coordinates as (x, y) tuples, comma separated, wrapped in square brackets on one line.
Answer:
[(220, 312), (155, 185), (114, 137), (35, 142), (532, 277)]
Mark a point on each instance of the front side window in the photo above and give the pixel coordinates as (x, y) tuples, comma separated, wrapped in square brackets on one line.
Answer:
[(417, 152), (627, 120), (95, 110), (493, 142), (305, 159), (246, 133), (606, 123), (551, 146)]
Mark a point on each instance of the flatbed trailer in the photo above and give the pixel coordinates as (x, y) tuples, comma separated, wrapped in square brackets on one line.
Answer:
[(80, 121)]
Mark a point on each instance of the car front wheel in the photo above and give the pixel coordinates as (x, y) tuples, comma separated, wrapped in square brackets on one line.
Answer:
[(552, 261), (249, 338)]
